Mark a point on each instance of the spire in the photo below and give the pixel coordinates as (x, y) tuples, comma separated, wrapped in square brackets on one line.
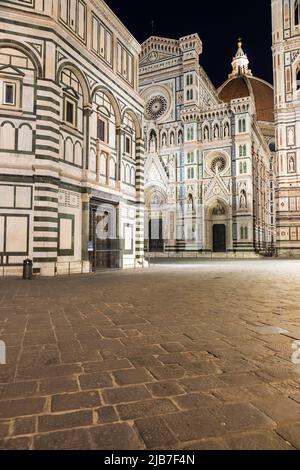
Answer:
[(240, 62)]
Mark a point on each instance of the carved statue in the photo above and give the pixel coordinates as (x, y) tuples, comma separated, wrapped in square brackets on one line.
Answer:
[(180, 137), (291, 165), (152, 143), (243, 200)]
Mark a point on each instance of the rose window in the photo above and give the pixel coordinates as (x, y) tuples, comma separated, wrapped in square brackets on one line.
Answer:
[(218, 164), (156, 107)]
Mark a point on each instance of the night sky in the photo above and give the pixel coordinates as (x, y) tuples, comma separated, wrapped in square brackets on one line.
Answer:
[(218, 22)]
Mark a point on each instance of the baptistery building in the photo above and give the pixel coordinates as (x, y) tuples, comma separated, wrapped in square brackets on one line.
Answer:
[(71, 141), (209, 169)]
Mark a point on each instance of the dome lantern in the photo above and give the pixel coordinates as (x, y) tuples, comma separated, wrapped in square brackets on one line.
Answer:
[(240, 63)]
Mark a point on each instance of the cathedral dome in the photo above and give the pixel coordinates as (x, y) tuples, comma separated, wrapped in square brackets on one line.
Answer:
[(242, 84)]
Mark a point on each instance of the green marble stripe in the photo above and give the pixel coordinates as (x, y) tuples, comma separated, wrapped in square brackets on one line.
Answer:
[(46, 249), (45, 260), (45, 209), (45, 229), (46, 199), (45, 219), (45, 239)]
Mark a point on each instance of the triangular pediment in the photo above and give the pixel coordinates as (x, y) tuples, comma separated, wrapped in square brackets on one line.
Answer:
[(216, 187), (154, 171), (11, 70), (71, 92), (157, 57)]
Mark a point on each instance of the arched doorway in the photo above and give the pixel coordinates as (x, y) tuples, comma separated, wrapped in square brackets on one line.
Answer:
[(219, 238), (154, 220), (217, 227)]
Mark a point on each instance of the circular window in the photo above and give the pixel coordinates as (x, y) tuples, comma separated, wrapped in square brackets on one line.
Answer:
[(156, 107), (272, 147), (218, 164)]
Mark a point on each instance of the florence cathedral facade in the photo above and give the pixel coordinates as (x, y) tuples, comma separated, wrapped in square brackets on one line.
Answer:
[(209, 154)]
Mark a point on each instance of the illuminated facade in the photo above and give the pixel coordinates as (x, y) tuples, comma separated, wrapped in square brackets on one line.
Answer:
[(71, 144), (286, 60), (209, 176)]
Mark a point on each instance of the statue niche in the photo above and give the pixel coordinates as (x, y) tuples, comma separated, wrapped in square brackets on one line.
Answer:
[(153, 142), (243, 200)]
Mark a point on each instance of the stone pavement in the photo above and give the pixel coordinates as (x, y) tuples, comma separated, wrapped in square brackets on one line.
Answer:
[(178, 356)]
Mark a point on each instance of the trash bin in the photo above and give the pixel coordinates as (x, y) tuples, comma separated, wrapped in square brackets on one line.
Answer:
[(27, 269)]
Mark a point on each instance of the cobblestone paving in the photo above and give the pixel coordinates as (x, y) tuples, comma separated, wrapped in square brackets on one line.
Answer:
[(174, 357)]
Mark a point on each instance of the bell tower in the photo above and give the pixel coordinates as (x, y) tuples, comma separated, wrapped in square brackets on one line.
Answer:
[(286, 65)]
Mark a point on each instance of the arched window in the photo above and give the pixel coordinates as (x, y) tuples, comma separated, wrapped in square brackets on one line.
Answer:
[(25, 138), (191, 173), (112, 168), (164, 139), (244, 151), (7, 136), (241, 167), (245, 167), (298, 78), (241, 151), (190, 157), (69, 152), (190, 95), (131, 135), (92, 160), (242, 125), (242, 233), (297, 12), (78, 154), (172, 138), (246, 233), (73, 99), (190, 133)]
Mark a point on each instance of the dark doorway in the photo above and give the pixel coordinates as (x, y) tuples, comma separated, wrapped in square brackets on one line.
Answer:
[(156, 243), (107, 248), (219, 238)]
